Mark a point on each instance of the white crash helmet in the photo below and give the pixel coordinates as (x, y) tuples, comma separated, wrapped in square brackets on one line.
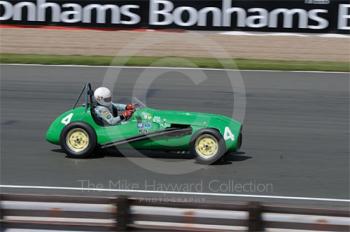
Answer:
[(103, 96)]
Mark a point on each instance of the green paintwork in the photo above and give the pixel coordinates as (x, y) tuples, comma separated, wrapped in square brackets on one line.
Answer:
[(157, 120)]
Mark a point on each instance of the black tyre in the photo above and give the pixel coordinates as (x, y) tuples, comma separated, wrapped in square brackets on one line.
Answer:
[(78, 140), (240, 141), (208, 146)]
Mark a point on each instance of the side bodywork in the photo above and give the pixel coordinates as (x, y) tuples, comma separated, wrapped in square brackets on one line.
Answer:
[(151, 129)]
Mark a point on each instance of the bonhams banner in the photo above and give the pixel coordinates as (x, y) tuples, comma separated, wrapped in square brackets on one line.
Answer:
[(320, 16)]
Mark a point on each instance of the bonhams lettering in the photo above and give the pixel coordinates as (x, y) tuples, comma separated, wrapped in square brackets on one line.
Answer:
[(218, 15)]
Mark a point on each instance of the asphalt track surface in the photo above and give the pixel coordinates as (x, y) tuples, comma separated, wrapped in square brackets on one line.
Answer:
[(296, 134)]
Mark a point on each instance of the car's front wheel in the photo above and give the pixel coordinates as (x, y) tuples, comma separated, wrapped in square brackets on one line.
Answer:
[(78, 140), (208, 146)]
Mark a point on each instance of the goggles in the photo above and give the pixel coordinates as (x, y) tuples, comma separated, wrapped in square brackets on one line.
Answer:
[(107, 99)]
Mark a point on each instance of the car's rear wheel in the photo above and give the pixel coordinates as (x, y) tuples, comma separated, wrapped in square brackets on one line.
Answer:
[(78, 140), (208, 146), (240, 141)]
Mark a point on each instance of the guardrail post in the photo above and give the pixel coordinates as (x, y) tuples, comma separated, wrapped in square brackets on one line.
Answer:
[(123, 213), (2, 227), (255, 222)]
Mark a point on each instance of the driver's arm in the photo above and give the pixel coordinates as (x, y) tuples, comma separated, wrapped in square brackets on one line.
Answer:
[(107, 116), (120, 107)]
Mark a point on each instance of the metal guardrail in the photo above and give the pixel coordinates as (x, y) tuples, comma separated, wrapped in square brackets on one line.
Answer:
[(75, 213)]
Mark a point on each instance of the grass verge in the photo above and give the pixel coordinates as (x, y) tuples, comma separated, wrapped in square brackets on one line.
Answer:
[(252, 64)]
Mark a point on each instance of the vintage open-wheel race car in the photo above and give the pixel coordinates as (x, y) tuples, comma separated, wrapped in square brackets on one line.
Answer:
[(208, 137)]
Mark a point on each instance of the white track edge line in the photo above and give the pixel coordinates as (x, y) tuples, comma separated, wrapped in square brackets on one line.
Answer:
[(174, 192), (170, 68)]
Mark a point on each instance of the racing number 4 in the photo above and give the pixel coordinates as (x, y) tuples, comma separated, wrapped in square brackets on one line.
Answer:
[(228, 134), (66, 120)]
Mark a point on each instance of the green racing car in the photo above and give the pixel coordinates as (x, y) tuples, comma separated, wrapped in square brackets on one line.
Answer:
[(207, 136)]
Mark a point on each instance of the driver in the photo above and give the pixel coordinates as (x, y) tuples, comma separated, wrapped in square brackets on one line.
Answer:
[(107, 110)]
